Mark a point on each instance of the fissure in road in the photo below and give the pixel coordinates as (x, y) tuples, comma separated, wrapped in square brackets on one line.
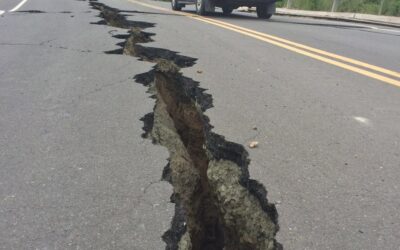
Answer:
[(217, 205)]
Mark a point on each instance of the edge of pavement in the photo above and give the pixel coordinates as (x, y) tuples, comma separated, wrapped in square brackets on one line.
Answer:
[(392, 21), (343, 16)]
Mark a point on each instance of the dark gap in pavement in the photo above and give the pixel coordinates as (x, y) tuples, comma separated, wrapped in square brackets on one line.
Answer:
[(217, 205), (131, 47), (31, 11), (42, 12), (112, 17)]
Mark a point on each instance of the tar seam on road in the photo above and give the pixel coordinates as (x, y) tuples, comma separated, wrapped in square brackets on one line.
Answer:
[(369, 70), (217, 205)]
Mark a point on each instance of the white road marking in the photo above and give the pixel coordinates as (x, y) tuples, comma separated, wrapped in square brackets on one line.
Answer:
[(19, 5), (362, 120), (1, 12), (376, 28)]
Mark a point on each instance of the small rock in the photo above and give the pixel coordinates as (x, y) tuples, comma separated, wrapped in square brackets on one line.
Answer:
[(199, 71), (253, 144)]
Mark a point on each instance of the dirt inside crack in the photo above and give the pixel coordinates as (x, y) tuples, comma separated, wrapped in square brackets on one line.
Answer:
[(217, 205)]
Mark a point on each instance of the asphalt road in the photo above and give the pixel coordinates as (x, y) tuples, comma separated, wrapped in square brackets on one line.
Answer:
[(75, 172)]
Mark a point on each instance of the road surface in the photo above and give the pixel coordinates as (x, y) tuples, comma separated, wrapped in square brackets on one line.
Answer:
[(322, 98)]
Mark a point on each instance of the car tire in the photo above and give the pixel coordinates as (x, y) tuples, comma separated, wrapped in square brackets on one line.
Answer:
[(262, 12), (201, 7), (227, 10), (175, 5)]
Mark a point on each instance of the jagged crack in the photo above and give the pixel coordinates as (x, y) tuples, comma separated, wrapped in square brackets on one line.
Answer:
[(217, 205)]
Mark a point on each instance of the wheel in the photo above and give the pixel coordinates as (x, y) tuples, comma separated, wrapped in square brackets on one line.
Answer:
[(227, 10), (175, 5), (262, 12), (201, 7)]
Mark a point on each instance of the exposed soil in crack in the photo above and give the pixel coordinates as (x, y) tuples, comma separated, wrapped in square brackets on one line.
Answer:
[(217, 205), (112, 17)]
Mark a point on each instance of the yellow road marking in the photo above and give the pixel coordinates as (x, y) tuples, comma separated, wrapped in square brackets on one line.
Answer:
[(322, 52), (295, 47)]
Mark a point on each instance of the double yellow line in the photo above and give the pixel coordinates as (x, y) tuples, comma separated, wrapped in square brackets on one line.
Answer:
[(369, 70)]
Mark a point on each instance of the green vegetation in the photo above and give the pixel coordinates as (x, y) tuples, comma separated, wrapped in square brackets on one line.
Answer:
[(389, 8)]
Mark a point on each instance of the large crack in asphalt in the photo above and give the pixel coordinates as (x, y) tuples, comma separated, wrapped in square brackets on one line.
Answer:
[(217, 205)]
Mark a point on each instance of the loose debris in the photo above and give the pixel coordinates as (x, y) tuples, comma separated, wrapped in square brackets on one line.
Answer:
[(253, 144)]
